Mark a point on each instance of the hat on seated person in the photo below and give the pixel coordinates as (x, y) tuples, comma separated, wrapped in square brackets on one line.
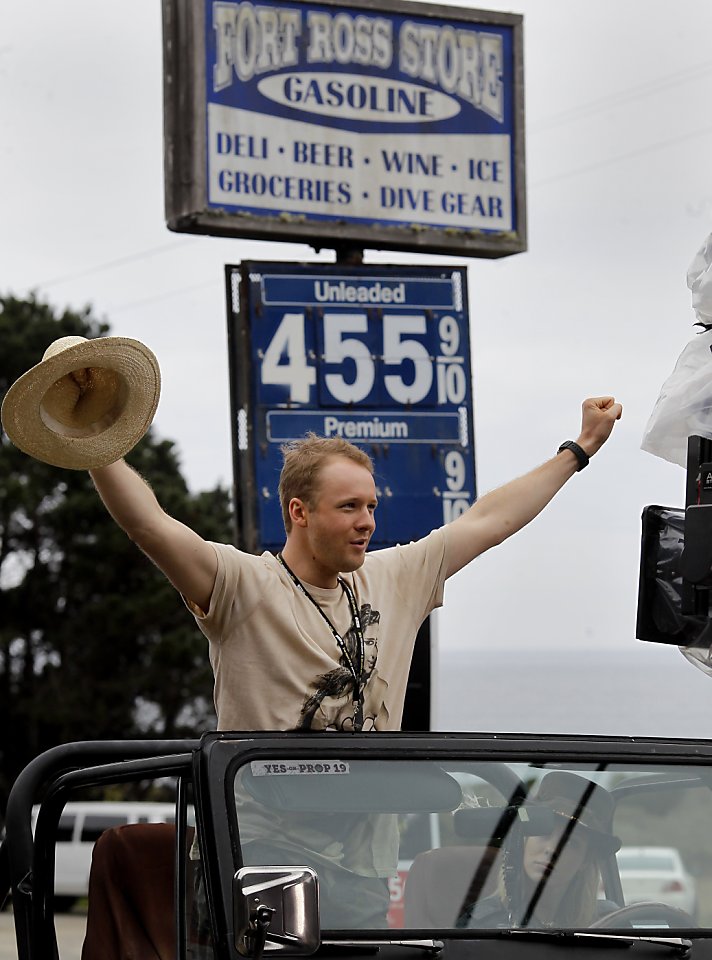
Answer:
[(575, 798)]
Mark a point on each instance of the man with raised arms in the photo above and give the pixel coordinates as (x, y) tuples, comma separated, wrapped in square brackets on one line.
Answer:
[(282, 629)]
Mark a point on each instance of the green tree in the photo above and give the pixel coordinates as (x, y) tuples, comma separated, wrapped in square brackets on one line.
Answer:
[(94, 642)]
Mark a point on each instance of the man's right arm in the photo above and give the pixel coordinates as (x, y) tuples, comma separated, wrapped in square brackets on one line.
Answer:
[(185, 558)]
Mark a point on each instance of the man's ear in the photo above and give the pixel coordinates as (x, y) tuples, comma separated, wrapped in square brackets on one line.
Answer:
[(298, 512)]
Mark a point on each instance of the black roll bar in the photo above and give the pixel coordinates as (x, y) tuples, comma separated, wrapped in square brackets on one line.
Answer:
[(39, 774)]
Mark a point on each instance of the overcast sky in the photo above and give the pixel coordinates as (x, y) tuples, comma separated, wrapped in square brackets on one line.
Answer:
[(619, 150)]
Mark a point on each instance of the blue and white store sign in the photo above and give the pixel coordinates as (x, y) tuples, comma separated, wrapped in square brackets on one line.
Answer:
[(395, 125), (379, 355)]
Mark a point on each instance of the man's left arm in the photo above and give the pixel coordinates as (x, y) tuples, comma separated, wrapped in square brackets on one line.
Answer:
[(497, 515)]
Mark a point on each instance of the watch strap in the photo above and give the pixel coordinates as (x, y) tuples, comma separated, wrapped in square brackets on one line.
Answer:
[(577, 451)]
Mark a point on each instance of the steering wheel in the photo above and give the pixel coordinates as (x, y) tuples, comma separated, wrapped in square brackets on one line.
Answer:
[(645, 913)]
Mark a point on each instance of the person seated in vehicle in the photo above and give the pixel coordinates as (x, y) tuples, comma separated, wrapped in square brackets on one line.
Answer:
[(553, 879)]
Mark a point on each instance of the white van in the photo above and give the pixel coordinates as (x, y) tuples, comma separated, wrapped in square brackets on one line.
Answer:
[(80, 825)]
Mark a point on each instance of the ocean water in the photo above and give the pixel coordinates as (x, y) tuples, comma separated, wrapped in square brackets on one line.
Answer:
[(637, 690)]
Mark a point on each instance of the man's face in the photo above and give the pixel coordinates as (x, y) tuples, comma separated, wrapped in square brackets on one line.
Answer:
[(341, 523)]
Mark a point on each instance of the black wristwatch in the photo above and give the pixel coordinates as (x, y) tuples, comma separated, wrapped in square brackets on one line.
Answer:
[(577, 451)]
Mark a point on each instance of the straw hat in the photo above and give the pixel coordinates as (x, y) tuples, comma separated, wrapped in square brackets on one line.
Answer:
[(86, 404)]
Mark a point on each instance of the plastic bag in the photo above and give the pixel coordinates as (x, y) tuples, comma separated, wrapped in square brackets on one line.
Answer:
[(684, 406), (700, 657)]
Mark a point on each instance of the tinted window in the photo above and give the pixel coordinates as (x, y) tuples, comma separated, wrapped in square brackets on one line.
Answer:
[(95, 824)]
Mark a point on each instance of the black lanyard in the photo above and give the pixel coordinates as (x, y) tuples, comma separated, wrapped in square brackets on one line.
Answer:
[(355, 669)]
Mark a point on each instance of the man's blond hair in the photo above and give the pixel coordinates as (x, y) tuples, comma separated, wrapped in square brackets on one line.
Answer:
[(303, 462)]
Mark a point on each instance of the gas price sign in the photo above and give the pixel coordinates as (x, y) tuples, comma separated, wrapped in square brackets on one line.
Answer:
[(377, 355)]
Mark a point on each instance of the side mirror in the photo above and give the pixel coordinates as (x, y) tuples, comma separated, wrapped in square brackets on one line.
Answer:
[(276, 910)]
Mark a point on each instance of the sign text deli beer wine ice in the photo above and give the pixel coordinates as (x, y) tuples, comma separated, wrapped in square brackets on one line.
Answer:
[(325, 113)]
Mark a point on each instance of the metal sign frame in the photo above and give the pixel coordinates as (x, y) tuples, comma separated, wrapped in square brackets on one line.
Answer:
[(186, 153)]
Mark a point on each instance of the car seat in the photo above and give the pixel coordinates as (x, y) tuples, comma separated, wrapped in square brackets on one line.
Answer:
[(440, 882)]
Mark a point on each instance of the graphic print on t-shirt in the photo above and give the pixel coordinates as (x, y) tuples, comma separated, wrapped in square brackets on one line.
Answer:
[(331, 704)]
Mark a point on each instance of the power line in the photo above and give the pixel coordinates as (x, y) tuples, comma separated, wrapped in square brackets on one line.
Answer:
[(118, 262), (131, 305), (624, 156), (616, 99)]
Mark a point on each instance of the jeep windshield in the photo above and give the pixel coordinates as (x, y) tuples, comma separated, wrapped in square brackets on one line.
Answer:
[(418, 846)]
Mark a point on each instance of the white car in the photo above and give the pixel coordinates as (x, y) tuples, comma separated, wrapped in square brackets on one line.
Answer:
[(656, 873)]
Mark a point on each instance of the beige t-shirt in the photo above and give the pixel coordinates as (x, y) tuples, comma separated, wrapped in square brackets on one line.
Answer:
[(276, 662)]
